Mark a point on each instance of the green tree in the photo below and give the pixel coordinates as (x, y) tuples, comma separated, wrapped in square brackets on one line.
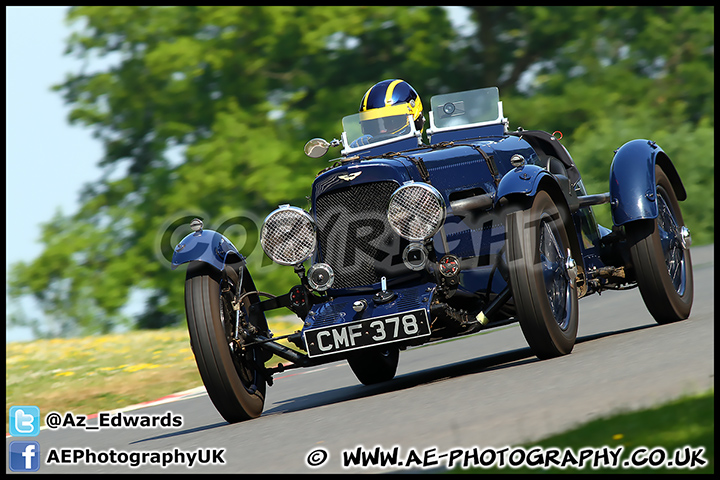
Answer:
[(235, 91), (205, 110), (633, 72)]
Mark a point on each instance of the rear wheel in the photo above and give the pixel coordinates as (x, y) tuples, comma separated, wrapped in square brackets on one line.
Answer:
[(542, 277), (230, 373), (661, 259), (374, 365)]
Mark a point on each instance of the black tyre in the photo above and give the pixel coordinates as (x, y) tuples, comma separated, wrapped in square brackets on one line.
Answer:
[(374, 365), (542, 278), (230, 374), (660, 257)]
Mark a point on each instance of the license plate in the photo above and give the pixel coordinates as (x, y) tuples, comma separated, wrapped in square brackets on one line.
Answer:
[(367, 333)]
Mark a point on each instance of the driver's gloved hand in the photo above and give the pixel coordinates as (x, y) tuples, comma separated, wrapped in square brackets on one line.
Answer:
[(359, 142)]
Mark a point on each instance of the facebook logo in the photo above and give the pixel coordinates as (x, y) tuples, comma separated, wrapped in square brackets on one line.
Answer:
[(24, 421), (24, 456)]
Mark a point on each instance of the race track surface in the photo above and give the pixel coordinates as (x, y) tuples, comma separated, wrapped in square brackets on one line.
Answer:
[(484, 390)]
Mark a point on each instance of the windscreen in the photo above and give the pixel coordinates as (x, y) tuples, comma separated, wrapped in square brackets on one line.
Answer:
[(359, 133), (465, 108)]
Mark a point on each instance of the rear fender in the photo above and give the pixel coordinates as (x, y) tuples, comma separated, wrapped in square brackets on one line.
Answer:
[(632, 181)]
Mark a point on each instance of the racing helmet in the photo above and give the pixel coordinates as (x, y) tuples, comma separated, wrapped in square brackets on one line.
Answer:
[(386, 107)]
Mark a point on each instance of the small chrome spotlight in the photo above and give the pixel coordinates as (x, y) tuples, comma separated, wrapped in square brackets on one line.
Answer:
[(415, 256), (321, 277)]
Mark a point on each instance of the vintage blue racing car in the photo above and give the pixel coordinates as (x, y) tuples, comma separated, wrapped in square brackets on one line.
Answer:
[(409, 242)]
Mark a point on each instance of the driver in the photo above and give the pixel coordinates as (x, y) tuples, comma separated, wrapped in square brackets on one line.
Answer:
[(386, 110)]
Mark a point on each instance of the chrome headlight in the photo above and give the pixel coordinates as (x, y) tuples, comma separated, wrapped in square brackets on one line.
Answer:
[(416, 211), (288, 235)]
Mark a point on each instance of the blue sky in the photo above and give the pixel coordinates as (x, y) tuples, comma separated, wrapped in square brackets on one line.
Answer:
[(47, 160)]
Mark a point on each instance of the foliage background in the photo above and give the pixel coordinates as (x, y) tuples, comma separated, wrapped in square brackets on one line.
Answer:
[(206, 111)]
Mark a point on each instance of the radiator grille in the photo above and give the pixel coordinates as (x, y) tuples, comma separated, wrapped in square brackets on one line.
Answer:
[(354, 236)]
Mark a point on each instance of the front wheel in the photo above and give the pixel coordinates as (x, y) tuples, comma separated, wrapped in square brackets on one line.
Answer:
[(229, 372), (661, 259), (542, 277)]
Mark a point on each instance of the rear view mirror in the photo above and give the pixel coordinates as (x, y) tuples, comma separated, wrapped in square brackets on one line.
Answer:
[(316, 148)]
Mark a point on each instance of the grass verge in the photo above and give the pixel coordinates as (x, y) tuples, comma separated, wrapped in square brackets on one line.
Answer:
[(105, 372), (666, 439)]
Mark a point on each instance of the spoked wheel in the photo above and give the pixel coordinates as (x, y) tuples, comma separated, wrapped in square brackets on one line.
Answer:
[(661, 259), (230, 373), (542, 277), (374, 365)]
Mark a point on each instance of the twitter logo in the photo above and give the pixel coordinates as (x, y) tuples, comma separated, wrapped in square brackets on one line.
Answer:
[(24, 421)]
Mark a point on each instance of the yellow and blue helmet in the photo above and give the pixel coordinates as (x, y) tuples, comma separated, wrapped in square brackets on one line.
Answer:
[(385, 109)]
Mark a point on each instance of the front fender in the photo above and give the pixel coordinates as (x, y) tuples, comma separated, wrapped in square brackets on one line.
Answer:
[(527, 180), (206, 246), (632, 181), (524, 179)]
